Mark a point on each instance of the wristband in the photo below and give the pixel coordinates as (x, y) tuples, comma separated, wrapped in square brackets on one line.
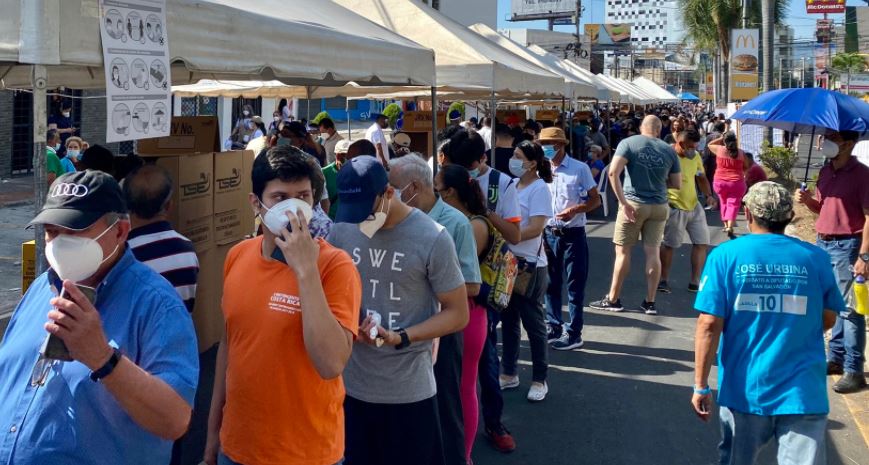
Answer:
[(109, 366), (703, 392)]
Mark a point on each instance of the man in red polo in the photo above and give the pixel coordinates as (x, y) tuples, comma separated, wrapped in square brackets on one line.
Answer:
[(842, 203)]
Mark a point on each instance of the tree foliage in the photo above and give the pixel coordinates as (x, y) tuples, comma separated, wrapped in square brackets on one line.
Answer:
[(708, 22)]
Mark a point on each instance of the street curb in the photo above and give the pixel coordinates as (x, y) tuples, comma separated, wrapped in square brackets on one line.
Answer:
[(858, 405)]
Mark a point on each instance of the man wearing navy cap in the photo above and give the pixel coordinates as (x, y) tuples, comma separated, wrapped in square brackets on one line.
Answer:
[(126, 388), (409, 270), (376, 136)]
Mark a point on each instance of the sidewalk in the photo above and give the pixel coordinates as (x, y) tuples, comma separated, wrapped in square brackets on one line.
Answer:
[(15, 191)]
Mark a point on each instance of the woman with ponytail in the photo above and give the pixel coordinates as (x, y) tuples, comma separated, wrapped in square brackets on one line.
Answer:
[(459, 190), (729, 183), (526, 305)]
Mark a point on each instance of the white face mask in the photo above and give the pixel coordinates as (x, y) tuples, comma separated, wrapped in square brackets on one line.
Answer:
[(277, 119), (399, 191), (517, 167), (76, 258), (370, 226), (73, 154), (56, 147), (829, 148), (276, 218), (66, 114), (246, 113)]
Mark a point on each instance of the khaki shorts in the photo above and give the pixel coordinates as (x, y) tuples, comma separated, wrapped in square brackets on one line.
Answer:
[(650, 221), (693, 221)]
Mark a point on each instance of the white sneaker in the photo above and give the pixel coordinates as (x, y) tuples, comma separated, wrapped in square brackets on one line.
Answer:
[(508, 382), (538, 392)]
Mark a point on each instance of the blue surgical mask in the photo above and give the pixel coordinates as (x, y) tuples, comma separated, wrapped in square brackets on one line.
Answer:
[(474, 172), (517, 167), (549, 151)]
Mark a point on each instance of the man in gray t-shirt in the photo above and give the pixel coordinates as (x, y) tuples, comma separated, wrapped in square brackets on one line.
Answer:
[(412, 280), (652, 167)]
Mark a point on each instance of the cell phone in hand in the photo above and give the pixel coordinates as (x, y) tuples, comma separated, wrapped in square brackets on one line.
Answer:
[(54, 347)]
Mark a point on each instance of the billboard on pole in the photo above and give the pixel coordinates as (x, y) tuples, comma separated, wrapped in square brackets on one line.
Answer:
[(743, 63), (825, 6), (542, 9), (608, 37)]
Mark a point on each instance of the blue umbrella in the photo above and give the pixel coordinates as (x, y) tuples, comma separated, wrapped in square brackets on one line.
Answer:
[(806, 111), (687, 96)]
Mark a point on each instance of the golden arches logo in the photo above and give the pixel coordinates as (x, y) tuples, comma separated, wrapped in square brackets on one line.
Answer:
[(747, 41)]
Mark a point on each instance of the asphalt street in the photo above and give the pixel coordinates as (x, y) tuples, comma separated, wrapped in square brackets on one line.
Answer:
[(624, 397)]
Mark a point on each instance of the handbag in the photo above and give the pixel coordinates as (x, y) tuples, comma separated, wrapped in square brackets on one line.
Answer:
[(524, 283)]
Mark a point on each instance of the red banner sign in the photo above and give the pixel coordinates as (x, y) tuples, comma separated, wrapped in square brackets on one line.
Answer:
[(825, 6)]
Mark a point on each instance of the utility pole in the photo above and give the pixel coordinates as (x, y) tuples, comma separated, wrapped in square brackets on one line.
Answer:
[(803, 72), (780, 64), (746, 4)]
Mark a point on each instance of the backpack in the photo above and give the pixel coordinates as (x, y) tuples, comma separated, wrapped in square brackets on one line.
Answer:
[(498, 269)]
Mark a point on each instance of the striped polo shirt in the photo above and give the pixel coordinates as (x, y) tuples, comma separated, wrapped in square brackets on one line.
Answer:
[(170, 254)]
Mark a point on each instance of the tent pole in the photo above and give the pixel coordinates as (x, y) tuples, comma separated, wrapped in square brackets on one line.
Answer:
[(308, 99), (434, 129), (347, 109), (40, 118), (493, 138), (809, 159)]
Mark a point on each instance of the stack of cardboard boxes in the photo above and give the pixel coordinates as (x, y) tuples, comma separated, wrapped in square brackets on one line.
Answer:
[(210, 206)]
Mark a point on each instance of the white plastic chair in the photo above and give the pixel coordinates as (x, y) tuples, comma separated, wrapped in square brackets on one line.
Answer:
[(602, 185)]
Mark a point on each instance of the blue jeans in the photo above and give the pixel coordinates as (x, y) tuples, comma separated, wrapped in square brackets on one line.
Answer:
[(800, 438), (489, 367), (848, 340), (567, 254)]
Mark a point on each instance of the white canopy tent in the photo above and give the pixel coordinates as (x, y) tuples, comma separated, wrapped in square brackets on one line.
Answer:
[(216, 39), (614, 93), (575, 86), (463, 59), (635, 94), (50, 43), (654, 89)]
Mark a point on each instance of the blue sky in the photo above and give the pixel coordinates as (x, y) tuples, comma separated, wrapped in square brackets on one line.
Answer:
[(802, 22)]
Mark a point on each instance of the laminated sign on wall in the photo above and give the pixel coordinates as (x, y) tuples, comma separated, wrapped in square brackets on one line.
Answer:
[(136, 59)]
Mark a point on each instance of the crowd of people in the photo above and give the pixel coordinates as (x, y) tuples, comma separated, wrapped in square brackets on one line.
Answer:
[(372, 292)]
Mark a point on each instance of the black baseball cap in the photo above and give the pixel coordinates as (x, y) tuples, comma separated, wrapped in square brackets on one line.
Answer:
[(77, 200), (360, 181)]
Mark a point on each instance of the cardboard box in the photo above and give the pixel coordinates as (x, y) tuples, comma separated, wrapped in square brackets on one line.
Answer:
[(547, 115), (420, 121), (248, 217), (230, 197), (207, 313), (28, 264), (192, 213), (508, 116), (188, 134)]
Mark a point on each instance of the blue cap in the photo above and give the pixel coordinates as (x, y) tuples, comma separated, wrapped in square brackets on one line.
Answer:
[(375, 116), (455, 114), (360, 181)]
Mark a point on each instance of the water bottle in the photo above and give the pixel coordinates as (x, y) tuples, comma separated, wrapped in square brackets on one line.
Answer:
[(861, 296)]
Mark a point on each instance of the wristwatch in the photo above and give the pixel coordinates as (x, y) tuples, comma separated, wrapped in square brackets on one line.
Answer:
[(864, 257), (405, 340), (109, 366)]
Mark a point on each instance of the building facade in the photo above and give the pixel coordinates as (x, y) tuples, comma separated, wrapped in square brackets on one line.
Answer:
[(467, 12), (654, 23)]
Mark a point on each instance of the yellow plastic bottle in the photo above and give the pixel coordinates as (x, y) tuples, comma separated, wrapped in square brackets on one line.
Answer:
[(861, 296)]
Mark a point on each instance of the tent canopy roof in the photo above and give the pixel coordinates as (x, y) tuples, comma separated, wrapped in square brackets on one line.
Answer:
[(463, 58), (216, 39), (604, 93), (577, 86), (649, 86)]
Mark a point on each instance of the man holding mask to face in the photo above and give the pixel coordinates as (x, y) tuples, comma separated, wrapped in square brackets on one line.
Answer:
[(291, 306), (127, 388)]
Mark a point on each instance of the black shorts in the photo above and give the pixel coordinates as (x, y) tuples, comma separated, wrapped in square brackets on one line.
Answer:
[(390, 434)]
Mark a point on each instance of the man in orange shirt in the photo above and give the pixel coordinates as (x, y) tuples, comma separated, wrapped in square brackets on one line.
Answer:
[(291, 305)]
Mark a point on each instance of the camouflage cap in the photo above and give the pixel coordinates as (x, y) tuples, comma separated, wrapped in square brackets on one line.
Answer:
[(770, 201)]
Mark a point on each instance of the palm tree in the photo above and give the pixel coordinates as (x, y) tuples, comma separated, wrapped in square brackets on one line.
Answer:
[(708, 24), (848, 63), (767, 15)]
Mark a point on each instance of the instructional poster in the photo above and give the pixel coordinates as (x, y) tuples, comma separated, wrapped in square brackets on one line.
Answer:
[(136, 57)]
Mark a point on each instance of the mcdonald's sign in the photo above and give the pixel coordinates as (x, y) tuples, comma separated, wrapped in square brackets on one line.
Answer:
[(825, 6), (743, 63)]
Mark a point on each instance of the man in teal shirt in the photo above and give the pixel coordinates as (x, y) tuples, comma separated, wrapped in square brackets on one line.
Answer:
[(330, 172), (413, 181), (53, 168)]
